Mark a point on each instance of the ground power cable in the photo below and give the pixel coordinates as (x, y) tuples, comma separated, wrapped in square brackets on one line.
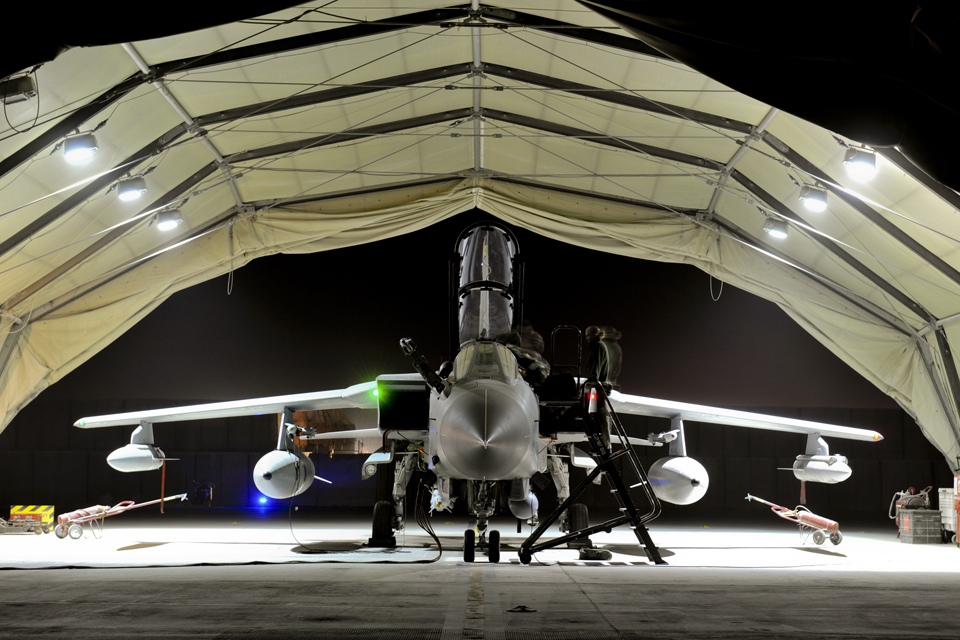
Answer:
[(420, 516)]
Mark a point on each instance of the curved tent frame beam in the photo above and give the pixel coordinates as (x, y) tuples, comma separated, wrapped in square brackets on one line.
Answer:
[(895, 306)]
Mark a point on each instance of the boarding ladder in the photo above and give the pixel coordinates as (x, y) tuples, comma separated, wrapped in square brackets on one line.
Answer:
[(637, 484)]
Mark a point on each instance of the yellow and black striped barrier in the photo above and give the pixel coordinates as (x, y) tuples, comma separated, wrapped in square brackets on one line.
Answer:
[(42, 513), (35, 518)]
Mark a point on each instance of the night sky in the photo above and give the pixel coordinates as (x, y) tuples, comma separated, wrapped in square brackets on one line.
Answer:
[(327, 320)]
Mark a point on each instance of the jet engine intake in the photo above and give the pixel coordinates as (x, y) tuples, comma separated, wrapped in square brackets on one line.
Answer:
[(283, 474), (829, 469), (678, 480), (136, 457)]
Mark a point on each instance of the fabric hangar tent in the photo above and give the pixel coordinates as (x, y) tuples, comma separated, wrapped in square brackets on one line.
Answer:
[(645, 129)]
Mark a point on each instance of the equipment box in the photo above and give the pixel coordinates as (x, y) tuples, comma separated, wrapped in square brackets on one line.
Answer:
[(948, 514), (29, 518), (41, 514), (920, 526)]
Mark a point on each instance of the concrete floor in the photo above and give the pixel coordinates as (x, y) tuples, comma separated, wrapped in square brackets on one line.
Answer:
[(249, 574)]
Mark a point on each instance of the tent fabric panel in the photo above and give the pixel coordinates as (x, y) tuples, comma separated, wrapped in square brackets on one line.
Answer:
[(66, 338), (886, 357), (73, 333), (856, 236)]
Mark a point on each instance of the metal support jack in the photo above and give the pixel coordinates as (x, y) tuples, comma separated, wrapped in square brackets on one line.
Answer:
[(606, 459)]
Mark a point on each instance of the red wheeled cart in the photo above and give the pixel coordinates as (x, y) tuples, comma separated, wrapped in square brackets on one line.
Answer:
[(70, 524), (810, 523)]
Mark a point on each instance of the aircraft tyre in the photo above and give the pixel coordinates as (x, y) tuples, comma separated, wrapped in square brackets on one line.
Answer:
[(818, 537), (493, 546), (579, 519), (836, 537), (469, 545), (382, 531), (60, 531), (525, 556), (75, 532)]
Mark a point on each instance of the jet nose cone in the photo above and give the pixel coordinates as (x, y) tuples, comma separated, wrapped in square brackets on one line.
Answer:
[(484, 434)]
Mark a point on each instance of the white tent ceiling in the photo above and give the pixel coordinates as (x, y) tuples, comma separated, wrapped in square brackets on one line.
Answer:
[(326, 125)]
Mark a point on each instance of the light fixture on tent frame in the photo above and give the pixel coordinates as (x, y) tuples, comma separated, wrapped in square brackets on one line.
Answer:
[(776, 228), (19, 89), (861, 163), (169, 219), (79, 149), (814, 198), (130, 189)]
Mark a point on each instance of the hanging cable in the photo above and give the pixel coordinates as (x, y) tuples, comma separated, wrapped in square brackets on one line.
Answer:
[(36, 90), (230, 273)]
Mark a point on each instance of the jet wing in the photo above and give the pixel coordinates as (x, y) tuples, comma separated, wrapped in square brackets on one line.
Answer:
[(565, 437), (358, 396), (638, 405), (408, 435)]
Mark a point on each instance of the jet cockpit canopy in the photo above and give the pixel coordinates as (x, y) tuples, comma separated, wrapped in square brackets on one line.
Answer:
[(489, 280)]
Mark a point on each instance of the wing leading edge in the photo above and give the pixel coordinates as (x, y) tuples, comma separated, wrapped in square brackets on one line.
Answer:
[(639, 405), (358, 396)]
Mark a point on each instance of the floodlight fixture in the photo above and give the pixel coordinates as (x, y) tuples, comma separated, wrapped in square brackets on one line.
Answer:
[(169, 219), (813, 198), (776, 228), (19, 89), (131, 188), (861, 163), (80, 149)]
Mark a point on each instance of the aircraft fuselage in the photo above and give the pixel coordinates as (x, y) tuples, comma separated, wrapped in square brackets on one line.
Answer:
[(486, 426)]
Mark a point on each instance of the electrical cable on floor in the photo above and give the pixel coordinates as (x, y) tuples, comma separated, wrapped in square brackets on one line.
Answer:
[(420, 515)]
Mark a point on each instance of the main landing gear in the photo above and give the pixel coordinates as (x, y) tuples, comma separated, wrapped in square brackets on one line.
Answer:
[(382, 530)]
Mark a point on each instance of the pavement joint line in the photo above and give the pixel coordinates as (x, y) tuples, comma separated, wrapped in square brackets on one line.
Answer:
[(473, 621)]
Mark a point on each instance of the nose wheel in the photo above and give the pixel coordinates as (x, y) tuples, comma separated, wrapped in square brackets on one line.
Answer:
[(490, 543), (469, 540), (493, 546)]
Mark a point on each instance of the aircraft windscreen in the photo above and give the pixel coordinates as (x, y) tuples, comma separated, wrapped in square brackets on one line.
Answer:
[(485, 360), (486, 262)]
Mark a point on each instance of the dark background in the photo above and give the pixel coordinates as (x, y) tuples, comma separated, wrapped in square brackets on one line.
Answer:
[(322, 321)]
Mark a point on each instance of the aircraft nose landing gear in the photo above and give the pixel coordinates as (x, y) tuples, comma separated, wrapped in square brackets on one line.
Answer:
[(489, 543), (493, 546), (481, 498), (469, 545)]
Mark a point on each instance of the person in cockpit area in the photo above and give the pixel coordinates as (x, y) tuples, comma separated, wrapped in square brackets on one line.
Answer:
[(609, 338), (604, 356), (604, 359), (527, 345)]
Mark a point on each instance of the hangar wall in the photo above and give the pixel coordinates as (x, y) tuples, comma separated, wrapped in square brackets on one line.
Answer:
[(67, 467)]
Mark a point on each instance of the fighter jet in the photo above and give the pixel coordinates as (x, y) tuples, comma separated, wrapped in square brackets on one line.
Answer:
[(481, 426)]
